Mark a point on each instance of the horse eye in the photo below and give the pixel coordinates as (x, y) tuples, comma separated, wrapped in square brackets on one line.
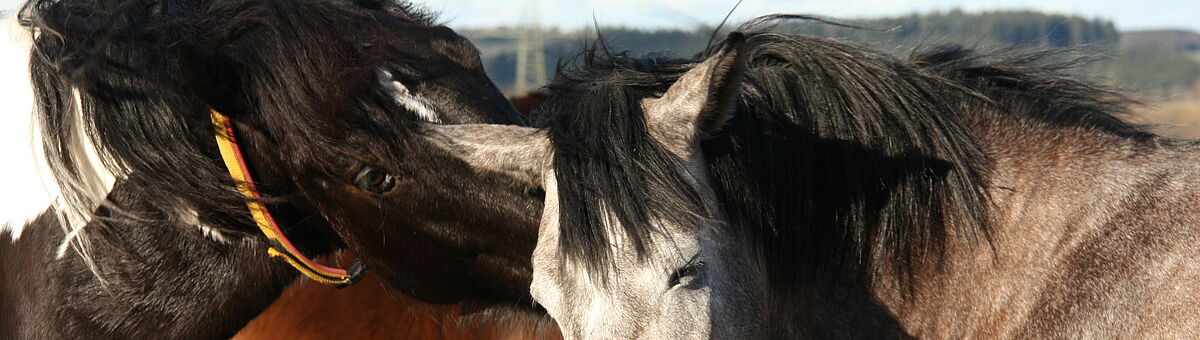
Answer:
[(375, 180), (686, 274)]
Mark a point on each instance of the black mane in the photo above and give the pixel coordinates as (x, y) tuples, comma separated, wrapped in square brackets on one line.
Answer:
[(604, 156), (148, 72), (838, 157)]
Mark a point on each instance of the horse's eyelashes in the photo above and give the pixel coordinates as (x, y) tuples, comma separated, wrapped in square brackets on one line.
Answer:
[(685, 274)]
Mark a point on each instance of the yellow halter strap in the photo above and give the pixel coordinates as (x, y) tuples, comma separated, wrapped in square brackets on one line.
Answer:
[(280, 246)]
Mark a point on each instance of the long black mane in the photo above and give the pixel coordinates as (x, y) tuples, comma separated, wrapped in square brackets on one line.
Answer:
[(605, 158), (838, 158), (148, 72)]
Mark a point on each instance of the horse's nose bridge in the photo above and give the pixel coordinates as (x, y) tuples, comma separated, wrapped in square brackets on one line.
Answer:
[(543, 292), (550, 291), (547, 282)]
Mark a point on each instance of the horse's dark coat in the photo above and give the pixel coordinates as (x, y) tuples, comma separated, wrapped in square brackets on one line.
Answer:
[(299, 79)]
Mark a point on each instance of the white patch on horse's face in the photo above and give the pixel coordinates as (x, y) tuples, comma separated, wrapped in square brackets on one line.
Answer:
[(406, 98), (689, 286)]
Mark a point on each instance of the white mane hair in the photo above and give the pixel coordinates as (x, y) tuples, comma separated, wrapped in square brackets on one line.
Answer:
[(30, 187)]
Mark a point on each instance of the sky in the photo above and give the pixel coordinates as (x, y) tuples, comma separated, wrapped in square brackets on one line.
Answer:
[(1127, 14), (687, 13)]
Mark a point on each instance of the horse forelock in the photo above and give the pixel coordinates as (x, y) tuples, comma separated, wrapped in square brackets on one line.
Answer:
[(607, 162)]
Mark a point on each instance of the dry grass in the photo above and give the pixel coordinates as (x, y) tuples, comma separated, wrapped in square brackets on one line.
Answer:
[(1177, 117)]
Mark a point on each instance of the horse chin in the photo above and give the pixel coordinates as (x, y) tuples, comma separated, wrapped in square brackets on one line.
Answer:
[(472, 279), (465, 290)]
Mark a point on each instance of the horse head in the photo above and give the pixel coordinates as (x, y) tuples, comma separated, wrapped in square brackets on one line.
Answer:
[(324, 98)]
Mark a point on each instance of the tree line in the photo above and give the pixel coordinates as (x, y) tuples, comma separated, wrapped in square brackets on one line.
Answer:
[(1148, 62)]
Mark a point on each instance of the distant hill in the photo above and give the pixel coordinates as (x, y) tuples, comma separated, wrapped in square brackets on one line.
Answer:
[(1156, 63), (1162, 40), (1160, 63), (996, 28)]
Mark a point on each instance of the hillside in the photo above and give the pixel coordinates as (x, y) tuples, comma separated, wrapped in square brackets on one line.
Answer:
[(1161, 40)]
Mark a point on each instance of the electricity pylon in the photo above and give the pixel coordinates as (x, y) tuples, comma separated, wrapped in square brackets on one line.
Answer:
[(531, 52)]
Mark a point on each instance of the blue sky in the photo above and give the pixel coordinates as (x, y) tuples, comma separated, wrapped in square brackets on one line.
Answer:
[(686, 13)]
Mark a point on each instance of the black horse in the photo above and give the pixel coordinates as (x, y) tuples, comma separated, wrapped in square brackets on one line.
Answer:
[(783, 186), (144, 234)]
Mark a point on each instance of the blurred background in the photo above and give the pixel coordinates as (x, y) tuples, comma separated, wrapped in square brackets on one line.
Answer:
[(1152, 50)]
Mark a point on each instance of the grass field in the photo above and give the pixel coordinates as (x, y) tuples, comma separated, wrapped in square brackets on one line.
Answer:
[(1177, 117)]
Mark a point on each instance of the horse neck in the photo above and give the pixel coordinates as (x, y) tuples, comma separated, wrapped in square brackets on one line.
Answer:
[(159, 281), (1058, 194)]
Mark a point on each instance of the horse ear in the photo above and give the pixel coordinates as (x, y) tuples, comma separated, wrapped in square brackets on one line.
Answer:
[(702, 100), (521, 153)]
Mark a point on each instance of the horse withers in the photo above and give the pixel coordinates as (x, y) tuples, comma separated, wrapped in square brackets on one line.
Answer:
[(793, 186), (130, 223)]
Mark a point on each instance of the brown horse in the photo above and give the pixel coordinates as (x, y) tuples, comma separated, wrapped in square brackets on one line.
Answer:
[(373, 310)]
